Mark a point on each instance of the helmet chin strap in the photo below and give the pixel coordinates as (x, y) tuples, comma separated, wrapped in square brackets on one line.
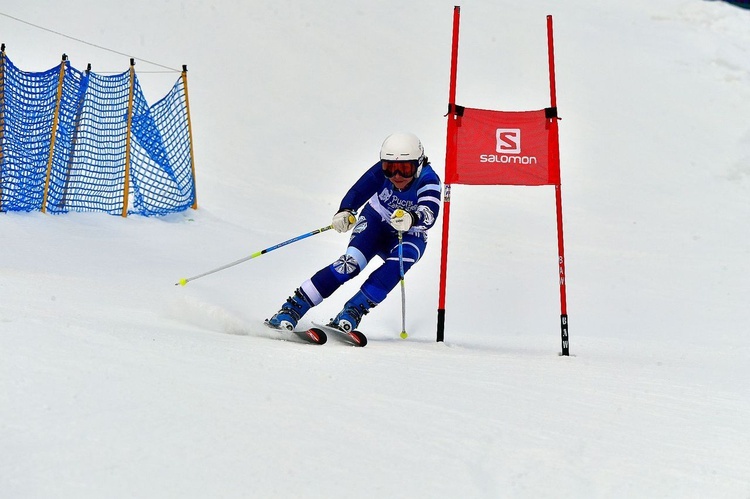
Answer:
[(422, 161)]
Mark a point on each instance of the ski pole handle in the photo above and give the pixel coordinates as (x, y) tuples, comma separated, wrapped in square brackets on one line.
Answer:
[(185, 280)]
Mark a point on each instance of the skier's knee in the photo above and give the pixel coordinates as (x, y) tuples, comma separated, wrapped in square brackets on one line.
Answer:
[(350, 263), (346, 266)]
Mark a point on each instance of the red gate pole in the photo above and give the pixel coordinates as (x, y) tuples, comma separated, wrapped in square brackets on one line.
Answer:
[(555, 150), (450, 169)]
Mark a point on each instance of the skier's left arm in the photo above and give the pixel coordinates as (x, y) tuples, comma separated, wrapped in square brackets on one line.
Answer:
[(424, 215)]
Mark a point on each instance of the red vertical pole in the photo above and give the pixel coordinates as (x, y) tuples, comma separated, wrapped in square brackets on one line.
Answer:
[(558, 192), (450, 169)]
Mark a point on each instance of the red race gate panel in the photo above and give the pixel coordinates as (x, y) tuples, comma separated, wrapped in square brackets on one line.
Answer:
[(505, 148)]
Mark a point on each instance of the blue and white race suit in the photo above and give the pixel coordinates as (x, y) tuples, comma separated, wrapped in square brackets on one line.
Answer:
[(373, 234)]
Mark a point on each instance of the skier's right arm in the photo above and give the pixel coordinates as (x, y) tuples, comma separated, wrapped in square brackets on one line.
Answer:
[(355, 197), (344, 220), (366, 186)]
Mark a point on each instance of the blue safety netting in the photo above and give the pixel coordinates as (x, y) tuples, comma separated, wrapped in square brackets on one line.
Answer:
[(83, 167)]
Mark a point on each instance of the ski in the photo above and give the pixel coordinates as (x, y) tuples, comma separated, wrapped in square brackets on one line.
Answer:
[(315, 336), (355, 338)]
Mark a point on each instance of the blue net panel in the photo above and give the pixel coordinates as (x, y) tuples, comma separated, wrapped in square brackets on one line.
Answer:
[(71, 141)]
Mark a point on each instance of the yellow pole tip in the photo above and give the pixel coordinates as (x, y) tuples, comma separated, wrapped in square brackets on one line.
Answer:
[(404, 335)]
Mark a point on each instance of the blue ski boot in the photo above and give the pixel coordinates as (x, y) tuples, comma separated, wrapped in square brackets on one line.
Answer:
[(291, 311), (349, 318)]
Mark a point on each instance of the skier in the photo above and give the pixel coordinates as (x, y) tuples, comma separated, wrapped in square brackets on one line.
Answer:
[(402, 193)]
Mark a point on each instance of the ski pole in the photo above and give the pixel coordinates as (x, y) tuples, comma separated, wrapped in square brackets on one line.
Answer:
[(186, 280), (403, 287)]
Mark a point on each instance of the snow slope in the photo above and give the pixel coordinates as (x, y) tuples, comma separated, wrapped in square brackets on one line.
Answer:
[(116, 383)]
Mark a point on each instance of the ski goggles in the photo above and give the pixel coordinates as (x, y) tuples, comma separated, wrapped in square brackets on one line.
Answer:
[(404, 168)]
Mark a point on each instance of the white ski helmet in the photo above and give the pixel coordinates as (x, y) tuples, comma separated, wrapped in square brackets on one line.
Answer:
[(403, 147)]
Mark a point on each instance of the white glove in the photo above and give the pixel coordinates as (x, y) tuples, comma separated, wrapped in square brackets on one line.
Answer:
[(343, 221), (402, 220)]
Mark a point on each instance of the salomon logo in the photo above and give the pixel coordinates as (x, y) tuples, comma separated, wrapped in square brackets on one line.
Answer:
[(504, 158), (508, 140), (508, 146)]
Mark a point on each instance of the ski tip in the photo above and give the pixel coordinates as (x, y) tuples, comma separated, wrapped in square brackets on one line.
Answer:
[(359, 338), (354, 338), (316, 335)]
